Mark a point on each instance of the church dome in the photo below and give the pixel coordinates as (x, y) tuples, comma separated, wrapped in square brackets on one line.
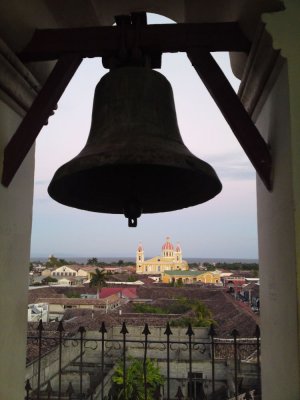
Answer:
[(167, 245)]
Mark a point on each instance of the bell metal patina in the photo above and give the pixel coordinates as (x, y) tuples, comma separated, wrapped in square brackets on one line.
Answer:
[(134, 160)]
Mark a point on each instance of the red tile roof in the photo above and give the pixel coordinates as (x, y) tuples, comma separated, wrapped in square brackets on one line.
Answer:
[(123, 291)]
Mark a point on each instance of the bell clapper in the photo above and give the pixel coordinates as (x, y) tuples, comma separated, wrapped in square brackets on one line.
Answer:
[(132, 222), (132, 211)]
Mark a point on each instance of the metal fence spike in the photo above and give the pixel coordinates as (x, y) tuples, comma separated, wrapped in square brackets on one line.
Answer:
[(146, 330), (103, 328), (60, 327), (49, 388), (212, 331), (81, 329), (28, 386), (257, 332), (190, 331), (179, 394), (168, 330), (40, 326), (124, 329), (235, 333), (70, 389)]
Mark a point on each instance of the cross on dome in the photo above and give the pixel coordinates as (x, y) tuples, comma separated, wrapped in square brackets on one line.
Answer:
[(167, 245)]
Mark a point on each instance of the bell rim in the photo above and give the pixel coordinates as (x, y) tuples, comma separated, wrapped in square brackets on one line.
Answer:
[(171, 199)]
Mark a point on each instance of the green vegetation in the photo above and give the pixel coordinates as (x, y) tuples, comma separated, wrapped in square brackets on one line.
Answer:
[(132, 278), (135, 377), (57, 262), (238, 266), (92, 261), (120, 263), (73, 294), (200, 314), (48, 279), (148, 309)]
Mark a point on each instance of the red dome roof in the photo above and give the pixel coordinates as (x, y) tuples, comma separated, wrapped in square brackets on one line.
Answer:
[(168, 245), (178, 248)]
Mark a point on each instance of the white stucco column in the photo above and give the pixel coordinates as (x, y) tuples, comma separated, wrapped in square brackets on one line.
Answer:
[(17, 89), (277, 116)]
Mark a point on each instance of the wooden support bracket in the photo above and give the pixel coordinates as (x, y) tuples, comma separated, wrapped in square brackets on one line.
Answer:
[(234, 112), (101, 41), (38, 114)]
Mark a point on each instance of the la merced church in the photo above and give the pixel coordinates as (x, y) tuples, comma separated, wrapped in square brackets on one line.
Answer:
[(169, 260), (172, 268)]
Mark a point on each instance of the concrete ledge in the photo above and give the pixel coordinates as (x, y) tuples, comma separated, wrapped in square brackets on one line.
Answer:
[(18, 87)]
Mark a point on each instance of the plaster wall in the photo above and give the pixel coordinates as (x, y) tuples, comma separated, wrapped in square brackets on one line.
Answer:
[(277, 252), (15, 231)]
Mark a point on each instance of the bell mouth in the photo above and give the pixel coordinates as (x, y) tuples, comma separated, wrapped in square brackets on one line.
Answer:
[(154, 188)]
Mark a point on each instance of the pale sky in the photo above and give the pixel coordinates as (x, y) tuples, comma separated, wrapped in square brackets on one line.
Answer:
[(224, 227)]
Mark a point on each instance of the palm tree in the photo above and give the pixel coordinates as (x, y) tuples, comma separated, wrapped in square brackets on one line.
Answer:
[(135, 380), (98, 280)]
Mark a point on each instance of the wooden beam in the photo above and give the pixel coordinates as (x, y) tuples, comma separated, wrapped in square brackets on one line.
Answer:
[(50, 44), (234, 112), (38, 114)]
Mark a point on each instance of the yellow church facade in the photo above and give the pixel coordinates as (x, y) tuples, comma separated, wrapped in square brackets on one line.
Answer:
[(188, 277), (169, 260)]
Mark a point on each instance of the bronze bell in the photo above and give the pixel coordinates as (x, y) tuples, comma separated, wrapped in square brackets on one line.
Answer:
[(134, 160)]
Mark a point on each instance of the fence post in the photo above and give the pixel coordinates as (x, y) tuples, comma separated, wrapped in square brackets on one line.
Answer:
[(257, 335), (40, 328), (145, 332), (235, 334), (124, 331), (27, 389), (70, 391), (60, 329), (81, 330), (168, 332), (190, 332), (212, 334), (179, 394), (102, 330)]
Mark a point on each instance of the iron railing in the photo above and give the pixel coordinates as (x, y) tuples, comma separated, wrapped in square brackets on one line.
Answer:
[(70, 365)]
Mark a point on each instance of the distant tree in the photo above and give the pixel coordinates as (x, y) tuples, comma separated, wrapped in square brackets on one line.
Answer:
[(255, 273), (56, 262), (98, 279), (179, 282), (207, 264), (48, 279), (30, 266), (62, 261), (52, 262), (210, 268), (93, 261), (132, 278), (120, 262)]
